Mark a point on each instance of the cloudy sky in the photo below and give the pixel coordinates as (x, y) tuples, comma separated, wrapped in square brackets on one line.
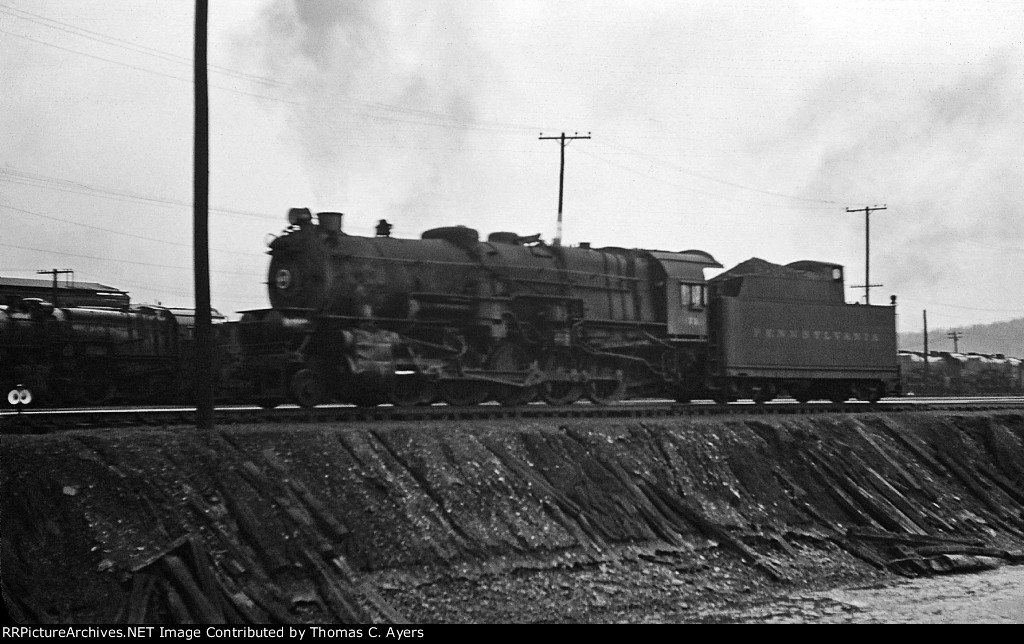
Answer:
[(744, 128)]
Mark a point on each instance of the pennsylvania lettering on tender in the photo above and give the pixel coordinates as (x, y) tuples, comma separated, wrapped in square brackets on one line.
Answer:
[(809, 334)]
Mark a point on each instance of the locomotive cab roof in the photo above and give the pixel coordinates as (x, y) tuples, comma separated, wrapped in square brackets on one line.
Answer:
[(687, 266)]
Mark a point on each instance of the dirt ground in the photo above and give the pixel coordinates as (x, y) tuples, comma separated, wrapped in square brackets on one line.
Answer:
[(706, 586), (985, 597), (575, 521)]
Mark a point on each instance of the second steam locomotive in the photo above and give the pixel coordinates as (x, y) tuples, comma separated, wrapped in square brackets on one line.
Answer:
[(369, 320)]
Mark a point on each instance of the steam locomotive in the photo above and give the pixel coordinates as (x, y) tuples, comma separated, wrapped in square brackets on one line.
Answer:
[(91, 355), (451, 317)]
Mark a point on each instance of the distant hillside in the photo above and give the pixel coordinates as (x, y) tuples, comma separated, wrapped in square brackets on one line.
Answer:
[(998, 337)]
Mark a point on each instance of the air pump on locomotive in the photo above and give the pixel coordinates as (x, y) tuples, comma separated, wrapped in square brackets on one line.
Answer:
[(368, 320)]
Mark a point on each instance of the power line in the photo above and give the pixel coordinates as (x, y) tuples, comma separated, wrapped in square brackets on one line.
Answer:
[(691, 188), (119, 260), (707, 177), (966, 308), (162, 288), (436, 118), (124, 44), (440, 119), (910, 214), (121, 232), (147, 70), (128, 45), (14, 175)]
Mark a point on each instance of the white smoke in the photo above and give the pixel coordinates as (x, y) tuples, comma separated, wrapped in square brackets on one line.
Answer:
[(385, 101)]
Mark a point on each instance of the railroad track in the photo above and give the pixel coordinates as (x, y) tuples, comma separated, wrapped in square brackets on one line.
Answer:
[(53, 420)]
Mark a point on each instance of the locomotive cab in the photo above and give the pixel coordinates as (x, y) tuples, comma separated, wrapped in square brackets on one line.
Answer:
[(685, 292)]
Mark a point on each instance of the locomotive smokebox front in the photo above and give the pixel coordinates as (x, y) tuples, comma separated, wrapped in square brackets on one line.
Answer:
[(298, 277), (317, 267)]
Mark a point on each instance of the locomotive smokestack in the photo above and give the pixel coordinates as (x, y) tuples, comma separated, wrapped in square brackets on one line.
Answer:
[(330, 221), (299, 216)]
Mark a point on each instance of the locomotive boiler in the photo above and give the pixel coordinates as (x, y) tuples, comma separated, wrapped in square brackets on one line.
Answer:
[(453, 317)]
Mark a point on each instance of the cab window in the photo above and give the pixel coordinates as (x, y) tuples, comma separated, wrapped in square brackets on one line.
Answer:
[(693, 296)]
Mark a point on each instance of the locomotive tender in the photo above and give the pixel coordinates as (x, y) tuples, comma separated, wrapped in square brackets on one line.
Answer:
[(378, 319)]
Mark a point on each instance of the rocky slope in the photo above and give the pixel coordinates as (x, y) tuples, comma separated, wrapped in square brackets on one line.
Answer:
[(590, 520)]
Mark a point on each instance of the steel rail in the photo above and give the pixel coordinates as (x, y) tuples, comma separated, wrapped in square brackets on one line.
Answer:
[(55, 420)]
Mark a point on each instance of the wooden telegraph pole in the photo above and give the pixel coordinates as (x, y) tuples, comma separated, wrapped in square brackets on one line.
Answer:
[(55, 272), (867, 249), (926, 365), (200, 234), (955, 336), (561, 175)]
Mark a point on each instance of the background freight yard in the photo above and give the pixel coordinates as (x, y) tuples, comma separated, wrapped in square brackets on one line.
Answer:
[(592, 520)]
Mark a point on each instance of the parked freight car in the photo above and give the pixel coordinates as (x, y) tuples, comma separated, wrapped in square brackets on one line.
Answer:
[(924, 374), (961, 374)]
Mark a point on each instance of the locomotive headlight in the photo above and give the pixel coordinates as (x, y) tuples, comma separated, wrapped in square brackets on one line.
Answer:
[(283, 279)]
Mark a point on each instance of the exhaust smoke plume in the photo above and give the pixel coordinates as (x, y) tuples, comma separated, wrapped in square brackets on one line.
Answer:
[(385, 97)]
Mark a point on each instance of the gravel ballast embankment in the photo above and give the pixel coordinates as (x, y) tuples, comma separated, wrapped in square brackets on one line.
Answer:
[(589, 520)]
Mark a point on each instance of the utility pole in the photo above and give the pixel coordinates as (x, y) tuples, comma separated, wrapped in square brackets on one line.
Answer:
[(955, 336), (561, 175), (867, 249), (926, 365), (55, 272), (200, 232)]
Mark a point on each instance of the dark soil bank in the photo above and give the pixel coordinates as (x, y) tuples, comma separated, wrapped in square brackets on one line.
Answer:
[(594, 520)]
